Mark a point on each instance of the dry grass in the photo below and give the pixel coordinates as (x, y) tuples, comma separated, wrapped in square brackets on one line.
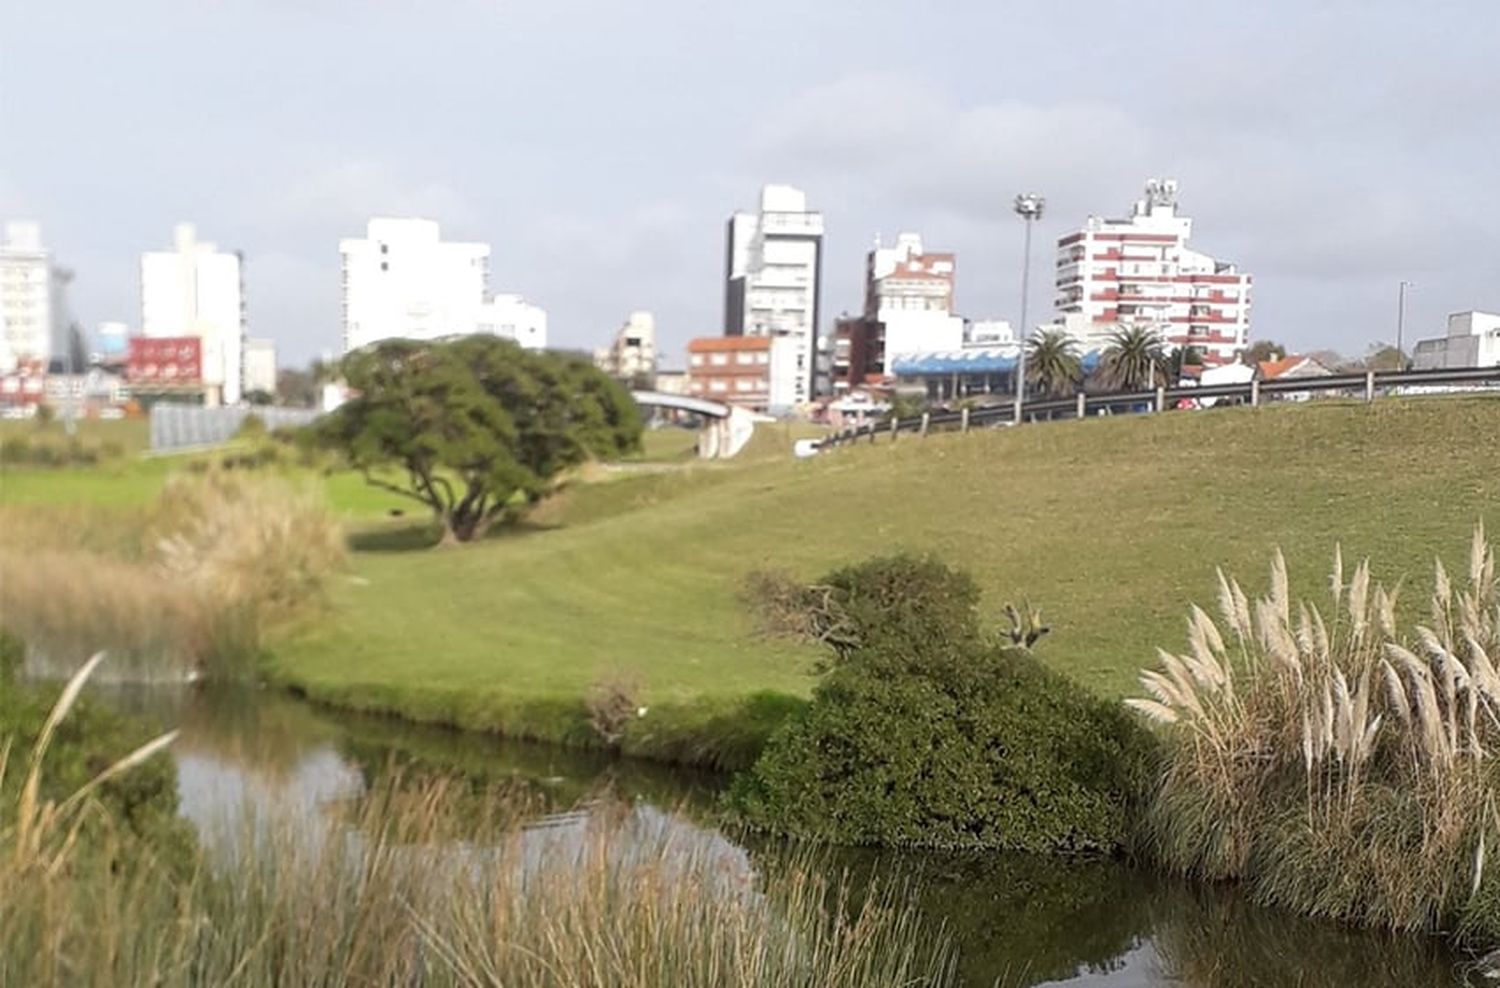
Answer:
[(193, 583), (1340, 766), (431, 884)]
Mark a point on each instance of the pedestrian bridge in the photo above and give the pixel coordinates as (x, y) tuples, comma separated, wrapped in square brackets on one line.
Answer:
[(726, 428)]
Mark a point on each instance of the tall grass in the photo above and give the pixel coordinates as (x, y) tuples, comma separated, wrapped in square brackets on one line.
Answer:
[(1341, 765), (431, 884), (194, 584)]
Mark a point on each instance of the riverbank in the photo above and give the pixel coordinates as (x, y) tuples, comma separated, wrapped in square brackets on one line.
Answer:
[(1110, 526)]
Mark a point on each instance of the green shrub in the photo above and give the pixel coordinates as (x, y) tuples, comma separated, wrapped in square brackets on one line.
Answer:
[(926, 735)]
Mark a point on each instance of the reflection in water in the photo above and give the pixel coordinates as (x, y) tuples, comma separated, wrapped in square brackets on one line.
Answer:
[(1019, 921)]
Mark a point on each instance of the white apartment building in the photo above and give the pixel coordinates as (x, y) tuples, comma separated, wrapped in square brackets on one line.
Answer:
[(514, 318), (260, 366), (197, 290), (1139, 271), (1473, 340), (34, 316), (631, 356), (403, 281), (773, 275)]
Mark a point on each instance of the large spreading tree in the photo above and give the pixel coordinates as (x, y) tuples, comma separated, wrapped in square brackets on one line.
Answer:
[(475, 427)]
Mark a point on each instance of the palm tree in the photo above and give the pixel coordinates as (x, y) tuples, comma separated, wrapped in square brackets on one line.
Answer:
[(1052, 364), (1135, 360)]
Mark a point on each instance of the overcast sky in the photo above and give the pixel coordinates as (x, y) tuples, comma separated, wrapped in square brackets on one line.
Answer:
[(1331, 149)]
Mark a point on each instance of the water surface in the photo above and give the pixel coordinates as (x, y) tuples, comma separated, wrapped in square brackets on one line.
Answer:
[(1019, 921)]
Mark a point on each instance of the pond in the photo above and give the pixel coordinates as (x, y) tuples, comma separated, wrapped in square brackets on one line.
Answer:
[(1018, 921)]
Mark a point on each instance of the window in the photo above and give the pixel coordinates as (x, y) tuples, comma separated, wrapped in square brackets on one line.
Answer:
[(696, 360), (385, 249), (718, 359), (744, 358), (718, 384), (765, 358), (384, 266)]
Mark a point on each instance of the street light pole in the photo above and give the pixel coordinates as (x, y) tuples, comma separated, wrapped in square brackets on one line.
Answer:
[(1401, 324), (1029, 207)]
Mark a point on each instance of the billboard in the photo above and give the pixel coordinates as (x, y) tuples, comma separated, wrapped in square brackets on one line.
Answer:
[(165, 361)]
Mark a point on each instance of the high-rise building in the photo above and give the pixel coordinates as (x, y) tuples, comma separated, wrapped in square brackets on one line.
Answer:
[(1139, 271), (34, 315), (196, 290), (260, 366), (403, 281), (631, 356), (773, 279), (908, 309)]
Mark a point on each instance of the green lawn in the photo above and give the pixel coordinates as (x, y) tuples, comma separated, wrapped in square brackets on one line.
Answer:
[(1112, 526)]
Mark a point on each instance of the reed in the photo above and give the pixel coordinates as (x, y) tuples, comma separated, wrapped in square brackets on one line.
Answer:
[(1340, 764), (191, 585), (429, 883)]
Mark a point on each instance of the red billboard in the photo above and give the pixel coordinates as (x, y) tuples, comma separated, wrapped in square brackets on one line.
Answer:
[(164, 361)]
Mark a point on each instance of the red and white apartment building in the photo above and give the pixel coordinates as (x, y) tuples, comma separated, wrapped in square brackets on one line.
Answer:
[(908, 309), (1139, 271)]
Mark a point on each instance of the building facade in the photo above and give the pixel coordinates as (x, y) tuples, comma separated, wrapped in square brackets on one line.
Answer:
[(1473, 340), (631, 356), (910, 292), (1139, 271), (908, 309), (513, 318), (260, 367), (196, 290), (754, 372), (34, 316), (402, 280), (773, 279)]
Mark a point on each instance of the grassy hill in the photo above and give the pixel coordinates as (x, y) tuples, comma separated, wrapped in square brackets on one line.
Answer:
[(1112, 526)]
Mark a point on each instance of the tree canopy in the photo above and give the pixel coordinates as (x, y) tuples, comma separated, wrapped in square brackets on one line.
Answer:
[(1052, 363), (1134, 360), (1264, 350), (474, 426)]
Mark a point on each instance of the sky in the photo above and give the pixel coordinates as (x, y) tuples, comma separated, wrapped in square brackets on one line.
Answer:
[(1331, 149)]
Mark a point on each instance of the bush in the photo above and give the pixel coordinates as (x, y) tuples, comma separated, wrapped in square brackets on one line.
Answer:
[(924, 734), (612, 702), (894, 603)]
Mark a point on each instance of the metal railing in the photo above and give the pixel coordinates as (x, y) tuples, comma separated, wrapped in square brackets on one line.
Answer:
[(1367, 385)]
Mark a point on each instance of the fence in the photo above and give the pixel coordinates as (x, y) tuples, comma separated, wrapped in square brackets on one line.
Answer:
[(1368, 385), (185, 426)]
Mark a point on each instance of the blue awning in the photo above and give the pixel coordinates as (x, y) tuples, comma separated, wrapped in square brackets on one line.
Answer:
[(973, 360)]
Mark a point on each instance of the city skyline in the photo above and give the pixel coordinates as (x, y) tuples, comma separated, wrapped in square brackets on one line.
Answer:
[(1328, 184)]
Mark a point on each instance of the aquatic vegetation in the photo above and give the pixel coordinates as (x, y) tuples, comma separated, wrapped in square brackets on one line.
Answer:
[(191, 586), (1341, 767)]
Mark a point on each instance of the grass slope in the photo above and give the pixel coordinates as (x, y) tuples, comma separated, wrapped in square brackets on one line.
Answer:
[(1112, 526)]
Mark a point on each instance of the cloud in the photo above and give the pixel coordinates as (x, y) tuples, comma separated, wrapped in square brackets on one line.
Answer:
[(1323, 219), (343, 194)]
